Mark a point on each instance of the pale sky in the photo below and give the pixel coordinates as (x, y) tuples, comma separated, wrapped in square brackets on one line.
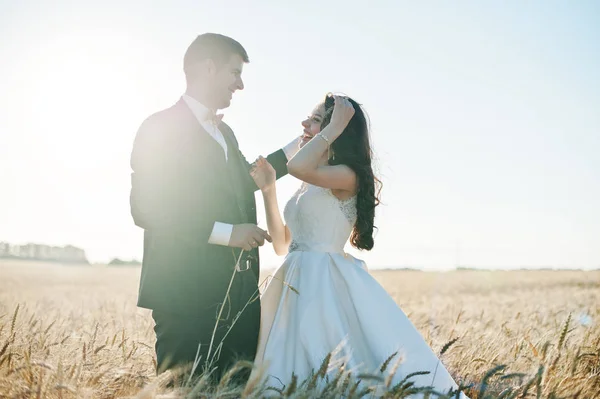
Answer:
[(485, 117)]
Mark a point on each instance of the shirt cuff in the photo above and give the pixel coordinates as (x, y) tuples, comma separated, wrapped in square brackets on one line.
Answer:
[(221, 234), (292, 148)]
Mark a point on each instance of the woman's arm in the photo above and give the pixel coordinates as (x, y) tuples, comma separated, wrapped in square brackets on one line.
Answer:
[(264, 176), (305, 165), (277, 229)]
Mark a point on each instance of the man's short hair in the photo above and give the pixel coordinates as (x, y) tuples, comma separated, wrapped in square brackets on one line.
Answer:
[(214, 46)]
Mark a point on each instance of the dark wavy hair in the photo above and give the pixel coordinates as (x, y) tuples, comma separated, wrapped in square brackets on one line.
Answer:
[(353, 149)]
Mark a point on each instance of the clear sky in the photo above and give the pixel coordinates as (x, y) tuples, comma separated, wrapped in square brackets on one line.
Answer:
[(485, 116)]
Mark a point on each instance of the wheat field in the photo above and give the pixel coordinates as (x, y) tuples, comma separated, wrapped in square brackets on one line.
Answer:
[(68, 331)]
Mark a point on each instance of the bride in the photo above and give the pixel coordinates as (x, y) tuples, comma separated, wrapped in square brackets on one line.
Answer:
[(322, 299)]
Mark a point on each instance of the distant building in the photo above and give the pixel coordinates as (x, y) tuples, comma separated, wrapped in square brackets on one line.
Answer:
[(72, 254), (67, 254), (4, 249)]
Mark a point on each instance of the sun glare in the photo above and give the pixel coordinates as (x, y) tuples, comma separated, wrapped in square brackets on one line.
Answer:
[(82, 87)]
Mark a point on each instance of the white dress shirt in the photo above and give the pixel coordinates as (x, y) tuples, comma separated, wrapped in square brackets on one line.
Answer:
[(207, 119), (221, 233)]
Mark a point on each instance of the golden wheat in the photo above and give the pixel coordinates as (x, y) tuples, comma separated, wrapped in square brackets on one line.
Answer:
[(70, 332)]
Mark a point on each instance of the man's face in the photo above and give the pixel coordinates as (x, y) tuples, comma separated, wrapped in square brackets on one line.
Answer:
[(225, 81)]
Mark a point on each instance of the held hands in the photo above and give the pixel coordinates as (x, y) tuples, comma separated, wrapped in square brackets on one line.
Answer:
[(263, 174)]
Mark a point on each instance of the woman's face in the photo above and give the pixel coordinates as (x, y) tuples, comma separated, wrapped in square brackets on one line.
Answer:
[(312, 124)]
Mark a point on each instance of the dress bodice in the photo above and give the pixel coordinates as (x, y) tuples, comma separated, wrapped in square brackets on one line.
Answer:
[(318, 220)]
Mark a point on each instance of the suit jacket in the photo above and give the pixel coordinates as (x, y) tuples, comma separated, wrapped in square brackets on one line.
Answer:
[(181, 184)]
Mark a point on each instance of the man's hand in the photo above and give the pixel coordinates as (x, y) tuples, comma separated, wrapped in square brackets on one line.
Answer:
[(248, 236)]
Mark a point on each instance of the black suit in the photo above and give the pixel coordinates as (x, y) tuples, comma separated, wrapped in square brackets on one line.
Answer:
[(181, 184)]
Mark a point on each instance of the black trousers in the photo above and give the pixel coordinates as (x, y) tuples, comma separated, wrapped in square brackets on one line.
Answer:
[(179, 336)]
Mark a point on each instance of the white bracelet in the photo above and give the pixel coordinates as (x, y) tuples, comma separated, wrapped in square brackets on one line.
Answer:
[(324, 138)]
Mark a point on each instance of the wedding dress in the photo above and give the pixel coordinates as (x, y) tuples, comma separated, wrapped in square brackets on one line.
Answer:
[(322, 300)]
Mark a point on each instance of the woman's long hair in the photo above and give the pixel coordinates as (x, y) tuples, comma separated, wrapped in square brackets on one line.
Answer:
[(353, 149)]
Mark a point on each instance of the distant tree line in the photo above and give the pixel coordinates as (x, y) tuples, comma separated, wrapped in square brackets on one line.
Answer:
[(120, 262)]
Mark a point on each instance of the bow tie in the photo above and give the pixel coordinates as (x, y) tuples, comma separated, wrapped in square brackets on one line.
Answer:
[(213, 118)]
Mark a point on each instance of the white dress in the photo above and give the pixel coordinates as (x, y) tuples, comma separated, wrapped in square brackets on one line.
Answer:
[(322, 299)]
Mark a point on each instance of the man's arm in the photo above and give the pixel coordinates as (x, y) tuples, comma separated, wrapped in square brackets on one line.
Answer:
[(166, 198), (161, 196), (292, 148), (222, 232), (279, 159)]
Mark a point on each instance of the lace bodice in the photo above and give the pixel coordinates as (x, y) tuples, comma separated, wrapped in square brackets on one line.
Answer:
[(318, 220)]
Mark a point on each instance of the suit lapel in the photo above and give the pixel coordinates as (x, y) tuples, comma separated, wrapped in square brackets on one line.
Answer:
[(241, 181), (207, 138), (232, 167), (239, 176)]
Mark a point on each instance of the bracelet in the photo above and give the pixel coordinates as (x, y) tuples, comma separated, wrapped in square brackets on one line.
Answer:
[(324, 138)]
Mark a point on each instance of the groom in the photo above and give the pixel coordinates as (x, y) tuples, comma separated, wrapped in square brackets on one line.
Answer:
[(192, 194)]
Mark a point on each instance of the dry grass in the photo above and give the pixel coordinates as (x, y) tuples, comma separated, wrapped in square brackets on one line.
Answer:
[(76, 332)]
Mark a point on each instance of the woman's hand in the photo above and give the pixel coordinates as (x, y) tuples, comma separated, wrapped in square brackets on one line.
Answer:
[(263, 174), (343, 111)]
